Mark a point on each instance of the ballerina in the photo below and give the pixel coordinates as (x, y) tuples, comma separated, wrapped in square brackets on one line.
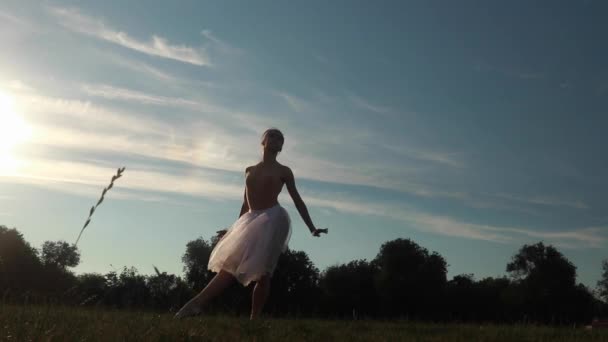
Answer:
[(250, 249)]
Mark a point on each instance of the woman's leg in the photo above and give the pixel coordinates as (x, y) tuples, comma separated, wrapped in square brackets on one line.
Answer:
[(221, 281), (260, 294)]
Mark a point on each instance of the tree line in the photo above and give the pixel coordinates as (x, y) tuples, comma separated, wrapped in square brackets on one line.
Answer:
[(403, 281)]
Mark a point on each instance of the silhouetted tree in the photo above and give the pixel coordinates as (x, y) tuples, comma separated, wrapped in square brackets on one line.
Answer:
[(91, 289), (410, 280), (548, 280), (542, 263), (127, 289), (461, 296), (19, 263), (294, 284), (196, 260), (60, 253), (349, 289), (167, 291), (580, 305), (602, 284), (496, 300), (403, 280)]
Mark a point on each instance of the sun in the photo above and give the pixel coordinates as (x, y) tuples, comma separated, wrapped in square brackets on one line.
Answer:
[(14, 131)]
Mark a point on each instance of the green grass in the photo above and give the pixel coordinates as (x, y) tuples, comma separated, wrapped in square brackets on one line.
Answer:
[(46, 323)]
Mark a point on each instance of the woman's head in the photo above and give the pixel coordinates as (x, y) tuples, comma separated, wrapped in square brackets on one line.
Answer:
[(273, 140)]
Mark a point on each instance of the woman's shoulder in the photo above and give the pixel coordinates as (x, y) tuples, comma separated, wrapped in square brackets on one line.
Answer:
[(286, 171)]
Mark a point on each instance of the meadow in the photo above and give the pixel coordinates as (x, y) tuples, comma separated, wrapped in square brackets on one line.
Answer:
[(60, 323)]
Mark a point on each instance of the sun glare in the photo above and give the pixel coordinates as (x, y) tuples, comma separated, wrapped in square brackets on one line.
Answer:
[(13, 132)]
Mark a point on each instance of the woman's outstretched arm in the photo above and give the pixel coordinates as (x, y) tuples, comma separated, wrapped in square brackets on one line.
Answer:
[(299, 203)]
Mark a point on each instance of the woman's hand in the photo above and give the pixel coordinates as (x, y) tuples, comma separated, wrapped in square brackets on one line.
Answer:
[(317, 232)]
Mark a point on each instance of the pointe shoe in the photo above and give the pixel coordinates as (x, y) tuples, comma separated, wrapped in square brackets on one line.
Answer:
[(188, 310)]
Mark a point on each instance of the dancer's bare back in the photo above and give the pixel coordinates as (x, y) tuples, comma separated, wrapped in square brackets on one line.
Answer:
[(264, 183)]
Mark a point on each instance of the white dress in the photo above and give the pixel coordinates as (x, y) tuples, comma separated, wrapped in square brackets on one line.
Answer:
[(252, 246)]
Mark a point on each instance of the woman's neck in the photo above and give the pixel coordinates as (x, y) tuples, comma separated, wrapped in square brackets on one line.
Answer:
[(269, 157)]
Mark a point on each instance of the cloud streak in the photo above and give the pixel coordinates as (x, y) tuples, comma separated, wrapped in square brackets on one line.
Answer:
[(366, 105), (76, 21), (425, 222), (98, 129), (115, 93), (80, 178), (546, 200), (447, 159), (141, 67), (294, 103)]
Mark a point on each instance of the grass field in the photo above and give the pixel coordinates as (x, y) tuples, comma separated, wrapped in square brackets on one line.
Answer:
[(45, 323)]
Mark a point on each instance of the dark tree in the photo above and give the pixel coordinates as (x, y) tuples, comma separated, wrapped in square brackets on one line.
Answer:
[(461, 296), (493, 296), (60, 253), (410, 280), (19, 263), (167, 291), (543, 264), (196, 259), (548, 281), (294, 284), (90, 289), (127, 289), (602, 284), (349, 289)]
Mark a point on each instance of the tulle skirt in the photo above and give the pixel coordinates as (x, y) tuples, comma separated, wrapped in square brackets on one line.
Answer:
[(252, 246)]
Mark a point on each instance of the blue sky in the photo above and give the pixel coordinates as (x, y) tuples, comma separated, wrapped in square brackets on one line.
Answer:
[(470, 127)]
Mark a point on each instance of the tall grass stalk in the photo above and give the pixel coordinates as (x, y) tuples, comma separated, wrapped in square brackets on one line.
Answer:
[(115, 177)]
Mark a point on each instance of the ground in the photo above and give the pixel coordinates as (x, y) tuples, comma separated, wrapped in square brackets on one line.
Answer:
[(49, 323)]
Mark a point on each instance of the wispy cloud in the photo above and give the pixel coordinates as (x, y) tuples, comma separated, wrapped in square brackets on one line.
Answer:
[(98, 129), (102, 119), (80, 178), (368, 106), (447, 159), (426, 222), (174, 82), (546, 200), (294, 102), (76, 21), (320, 58), (17, 85), (110, 92), (53, 173), (95, 129), (508, 71), (85, 126), (447, 226), (220, 44), (141, 67), (14, 20), (593, 237), (13, 26)]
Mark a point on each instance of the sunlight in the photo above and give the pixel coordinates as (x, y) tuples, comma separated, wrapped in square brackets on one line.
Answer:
[(13, 132)]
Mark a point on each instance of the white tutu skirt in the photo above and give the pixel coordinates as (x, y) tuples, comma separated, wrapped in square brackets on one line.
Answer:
[(252, 246)]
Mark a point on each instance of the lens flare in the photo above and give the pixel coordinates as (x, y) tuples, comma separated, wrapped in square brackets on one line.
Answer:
[(14, 131)]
